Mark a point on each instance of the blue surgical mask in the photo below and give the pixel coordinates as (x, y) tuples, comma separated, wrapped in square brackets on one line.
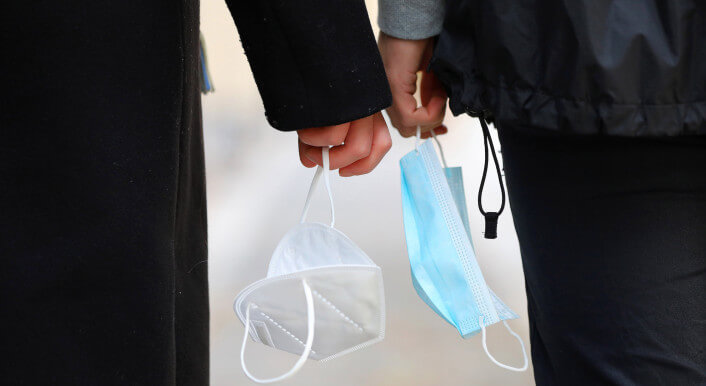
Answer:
[(443, 263)]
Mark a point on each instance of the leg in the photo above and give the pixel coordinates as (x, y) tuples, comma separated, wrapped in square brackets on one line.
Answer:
[(613, 239)]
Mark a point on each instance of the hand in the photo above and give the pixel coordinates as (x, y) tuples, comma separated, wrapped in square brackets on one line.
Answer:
[(358, 146), (403, 59)]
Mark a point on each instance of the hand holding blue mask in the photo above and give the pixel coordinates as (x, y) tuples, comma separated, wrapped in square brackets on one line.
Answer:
[(444, 269)]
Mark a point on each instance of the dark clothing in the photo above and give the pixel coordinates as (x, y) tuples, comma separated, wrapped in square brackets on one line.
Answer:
[(613, 239), (315, 61), (612, 230), (103, 241), (102, 198), (621, 67)]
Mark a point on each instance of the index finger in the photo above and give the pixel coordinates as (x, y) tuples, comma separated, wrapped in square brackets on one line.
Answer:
[(325, 135)]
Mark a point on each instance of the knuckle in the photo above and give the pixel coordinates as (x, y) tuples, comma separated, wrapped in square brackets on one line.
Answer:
[(386, 143), (367, 169), (407, 121), (337, 134), (305, 136), (360, 151), (333, 138), (395, 118), (407, 132), (396, 124)]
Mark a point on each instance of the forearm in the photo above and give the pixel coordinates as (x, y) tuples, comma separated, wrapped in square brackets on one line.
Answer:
[(411, 19)]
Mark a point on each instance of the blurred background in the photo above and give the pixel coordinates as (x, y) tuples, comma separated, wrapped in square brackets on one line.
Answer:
[(256, 190)]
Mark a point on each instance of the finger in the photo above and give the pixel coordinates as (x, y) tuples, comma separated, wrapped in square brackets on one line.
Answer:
[(407, 115), (430, 86), (302, 155), (438, 131), (382, 142), (408, 131), (431, 89), (406, 119), (324, 136), (425, 133), (403, 101), (433, 97), (356, 145)]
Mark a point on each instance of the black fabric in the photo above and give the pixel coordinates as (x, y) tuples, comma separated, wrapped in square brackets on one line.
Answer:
[(103, 278), (315, 61), (620, 67), (613, 239), (103, 238)]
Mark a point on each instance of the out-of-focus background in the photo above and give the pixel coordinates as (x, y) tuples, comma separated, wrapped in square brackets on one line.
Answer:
[(256, 190)]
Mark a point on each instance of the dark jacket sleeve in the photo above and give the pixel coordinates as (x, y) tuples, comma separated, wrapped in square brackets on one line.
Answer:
[(315, 61)]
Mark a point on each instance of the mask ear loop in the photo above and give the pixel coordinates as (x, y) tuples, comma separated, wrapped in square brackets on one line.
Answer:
[(418, 139), (513, 333), (314, 182), (441, 150), (307, 347)]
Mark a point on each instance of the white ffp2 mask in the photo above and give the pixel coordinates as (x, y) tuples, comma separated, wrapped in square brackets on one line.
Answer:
[(323, 296)]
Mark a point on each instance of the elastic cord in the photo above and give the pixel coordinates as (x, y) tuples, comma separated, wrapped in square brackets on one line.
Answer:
[(418, 138), (441, 150), (314, 182), (307, 347), (491, 218), (513, 333)]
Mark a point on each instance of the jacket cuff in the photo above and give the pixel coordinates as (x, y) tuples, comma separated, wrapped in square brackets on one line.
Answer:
[(411, 19), (315, 62)]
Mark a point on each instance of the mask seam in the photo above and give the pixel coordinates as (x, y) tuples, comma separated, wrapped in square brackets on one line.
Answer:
[(283, 329), (381, 332), (339, 312)]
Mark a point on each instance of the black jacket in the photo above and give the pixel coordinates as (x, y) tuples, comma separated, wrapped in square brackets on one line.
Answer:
[(103, 245), (315, 62), (621, 67)]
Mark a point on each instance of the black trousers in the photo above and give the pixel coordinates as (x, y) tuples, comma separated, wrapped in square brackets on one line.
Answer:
[(613, 239), (102, 195)]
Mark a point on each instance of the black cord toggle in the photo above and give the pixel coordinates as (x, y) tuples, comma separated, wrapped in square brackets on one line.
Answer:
[(491, 218), (491, 225)]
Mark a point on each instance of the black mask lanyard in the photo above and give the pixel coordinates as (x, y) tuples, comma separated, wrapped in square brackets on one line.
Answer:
[(491, 218)]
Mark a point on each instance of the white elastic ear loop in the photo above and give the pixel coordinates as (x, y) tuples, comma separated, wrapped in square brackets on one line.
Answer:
[(419, 137), (327, 183), (314, 182), (307, 347), (441, 150), (522, 344)]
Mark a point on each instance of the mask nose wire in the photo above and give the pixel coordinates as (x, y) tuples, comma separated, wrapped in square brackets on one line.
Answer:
[(307, 347), (327, 183), (513, 333)]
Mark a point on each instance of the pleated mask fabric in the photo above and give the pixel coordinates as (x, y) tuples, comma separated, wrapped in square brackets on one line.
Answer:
[(444, 269)]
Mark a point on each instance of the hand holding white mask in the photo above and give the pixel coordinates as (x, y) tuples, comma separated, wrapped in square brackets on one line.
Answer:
[(322, 298)]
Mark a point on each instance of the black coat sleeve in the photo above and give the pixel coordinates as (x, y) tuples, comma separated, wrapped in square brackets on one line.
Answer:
[(315, 62)]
